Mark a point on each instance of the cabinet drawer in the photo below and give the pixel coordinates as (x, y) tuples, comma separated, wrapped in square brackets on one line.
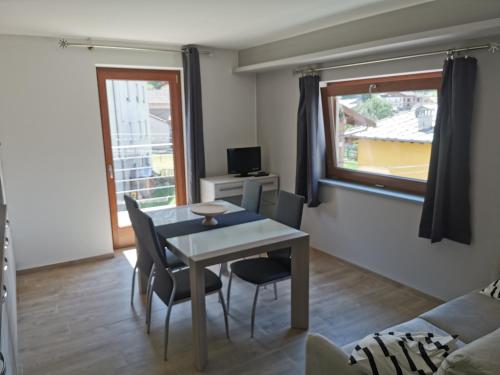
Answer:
[(228, 190), (236, 188), (268, 184)]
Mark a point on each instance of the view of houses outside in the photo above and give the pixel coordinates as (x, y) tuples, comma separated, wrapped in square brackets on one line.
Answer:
[(141, 136), (386, 133)]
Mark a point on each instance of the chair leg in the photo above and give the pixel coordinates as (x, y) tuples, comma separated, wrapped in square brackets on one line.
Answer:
[(149, 301), (254, 308), (220, 277), (229, 290), (148, 291), (133, 285), (221, 299), (167, 324), (275, 292), (149, 308)]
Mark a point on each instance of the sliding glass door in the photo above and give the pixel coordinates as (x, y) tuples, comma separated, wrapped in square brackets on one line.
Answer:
[(143, 142)]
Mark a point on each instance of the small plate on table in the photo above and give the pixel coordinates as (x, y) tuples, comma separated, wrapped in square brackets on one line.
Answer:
[(209, 210)]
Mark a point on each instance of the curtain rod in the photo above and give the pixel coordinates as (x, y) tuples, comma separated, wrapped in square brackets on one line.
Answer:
[(63, 43), (491, 47)]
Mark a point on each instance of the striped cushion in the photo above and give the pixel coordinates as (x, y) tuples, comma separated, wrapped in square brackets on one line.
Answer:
[(492, 290), (402, 353)]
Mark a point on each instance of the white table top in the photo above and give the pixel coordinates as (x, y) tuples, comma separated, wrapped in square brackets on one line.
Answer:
[(183, 213), (232, 239)]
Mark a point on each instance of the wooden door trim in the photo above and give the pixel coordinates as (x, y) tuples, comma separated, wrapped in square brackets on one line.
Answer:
[(123, 237)]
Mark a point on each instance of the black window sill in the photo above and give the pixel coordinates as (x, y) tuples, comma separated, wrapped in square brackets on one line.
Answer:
[(373, 190)]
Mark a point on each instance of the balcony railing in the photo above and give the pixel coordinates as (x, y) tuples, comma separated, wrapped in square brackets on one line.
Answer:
[(146, 200), (143, 178), (145, 189), (142, 145)]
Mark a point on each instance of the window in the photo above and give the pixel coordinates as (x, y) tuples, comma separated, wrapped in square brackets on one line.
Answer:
[(379, 131)]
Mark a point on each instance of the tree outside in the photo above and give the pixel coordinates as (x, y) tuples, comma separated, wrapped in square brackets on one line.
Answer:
[(375, 108)]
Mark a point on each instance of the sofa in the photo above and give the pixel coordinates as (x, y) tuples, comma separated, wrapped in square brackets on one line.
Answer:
[(474, 317)]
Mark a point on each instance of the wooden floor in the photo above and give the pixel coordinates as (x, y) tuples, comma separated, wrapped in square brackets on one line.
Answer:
[(78, 320)]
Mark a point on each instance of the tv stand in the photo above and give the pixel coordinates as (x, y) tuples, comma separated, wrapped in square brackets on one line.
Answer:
[(243, 175), (230, 185)]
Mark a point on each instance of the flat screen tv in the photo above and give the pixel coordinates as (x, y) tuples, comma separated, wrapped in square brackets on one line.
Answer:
[(243, 160)]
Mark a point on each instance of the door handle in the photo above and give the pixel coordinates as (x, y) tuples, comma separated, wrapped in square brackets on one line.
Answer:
[(110, 172)]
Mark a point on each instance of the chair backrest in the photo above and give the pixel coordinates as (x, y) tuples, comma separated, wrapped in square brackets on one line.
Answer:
[(144, 260), (130, 203), (289, 209), (289, 212), (252, 192), (146, 235)]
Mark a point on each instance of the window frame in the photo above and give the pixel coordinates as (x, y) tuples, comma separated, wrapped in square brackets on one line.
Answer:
[(390, 83)]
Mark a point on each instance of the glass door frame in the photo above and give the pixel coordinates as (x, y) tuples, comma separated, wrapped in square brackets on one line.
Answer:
[(123, 236)]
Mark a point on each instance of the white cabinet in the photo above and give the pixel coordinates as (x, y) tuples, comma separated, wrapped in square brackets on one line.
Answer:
[(8, 312), (8, 308), (7, 345), (9, 282), (230, 188), (221, 187)]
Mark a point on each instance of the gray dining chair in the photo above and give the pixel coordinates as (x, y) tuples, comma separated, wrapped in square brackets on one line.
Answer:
[(252, 193), (171, 286), (144, 262), (277, 265), (250, 201)]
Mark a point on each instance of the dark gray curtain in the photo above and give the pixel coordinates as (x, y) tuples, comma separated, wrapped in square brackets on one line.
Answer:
[(195, 150), (446, 211), (310, 141)]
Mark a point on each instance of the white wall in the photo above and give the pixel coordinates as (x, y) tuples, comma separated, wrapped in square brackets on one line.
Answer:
[(52, 151), (380, 233), (229, 109)]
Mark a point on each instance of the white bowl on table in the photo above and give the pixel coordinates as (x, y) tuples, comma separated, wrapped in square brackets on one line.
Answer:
[(209, 210)]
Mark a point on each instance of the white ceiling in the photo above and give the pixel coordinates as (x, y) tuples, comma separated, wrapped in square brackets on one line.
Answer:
[(232, 24)]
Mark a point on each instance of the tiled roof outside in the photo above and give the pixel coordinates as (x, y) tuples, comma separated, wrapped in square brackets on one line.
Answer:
[(403, 127)]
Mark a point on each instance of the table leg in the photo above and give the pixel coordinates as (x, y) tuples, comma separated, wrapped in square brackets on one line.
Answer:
[(224, 269), (300, 283), (199, 315)]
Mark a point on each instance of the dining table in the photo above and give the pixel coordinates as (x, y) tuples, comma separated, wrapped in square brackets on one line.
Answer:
[(239, 234)]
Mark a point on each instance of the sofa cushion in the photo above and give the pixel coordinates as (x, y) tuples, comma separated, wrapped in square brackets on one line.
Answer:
[(414, 325), (401, 352), (470, 316), (492, 290), (480, 357)]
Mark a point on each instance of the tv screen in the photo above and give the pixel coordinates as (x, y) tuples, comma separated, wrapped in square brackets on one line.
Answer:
[(243, 160)]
